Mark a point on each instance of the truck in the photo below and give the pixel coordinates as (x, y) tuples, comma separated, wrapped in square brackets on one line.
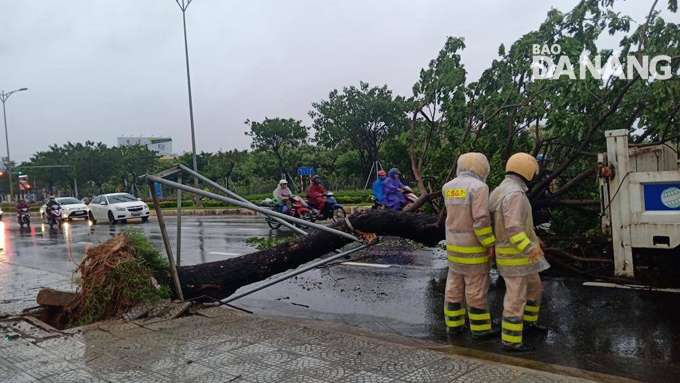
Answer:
[(639, 187)]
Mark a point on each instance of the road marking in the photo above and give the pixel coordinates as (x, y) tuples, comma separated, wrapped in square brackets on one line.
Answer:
[(630, 287), (248, 229), (361, 264), (220, 253)]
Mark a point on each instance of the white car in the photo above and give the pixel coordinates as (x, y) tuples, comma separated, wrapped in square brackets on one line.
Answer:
[(70, 208), (118, 207)]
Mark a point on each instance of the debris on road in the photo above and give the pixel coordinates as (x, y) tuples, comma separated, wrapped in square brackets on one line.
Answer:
[(55, 298)]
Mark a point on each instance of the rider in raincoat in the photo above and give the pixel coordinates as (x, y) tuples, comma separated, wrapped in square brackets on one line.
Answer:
[(394, 198)]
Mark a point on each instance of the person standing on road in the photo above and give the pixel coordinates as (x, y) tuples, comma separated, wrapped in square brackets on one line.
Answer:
[(469, 245), (519, 257), (379, 187)]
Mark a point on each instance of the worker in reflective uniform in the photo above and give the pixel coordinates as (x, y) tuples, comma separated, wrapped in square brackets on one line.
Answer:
[(469, 245), (519, 257)]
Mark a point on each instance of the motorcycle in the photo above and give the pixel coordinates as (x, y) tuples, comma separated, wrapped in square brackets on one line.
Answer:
[(24, 217), (54, 216), (408, 193), (410, 196), (332, 210), (299, 211)]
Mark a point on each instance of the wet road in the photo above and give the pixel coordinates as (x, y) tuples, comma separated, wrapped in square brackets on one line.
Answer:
[(627, 333)]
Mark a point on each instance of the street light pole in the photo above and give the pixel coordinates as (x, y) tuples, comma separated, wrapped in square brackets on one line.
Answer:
[(3, 97), (183, 5)]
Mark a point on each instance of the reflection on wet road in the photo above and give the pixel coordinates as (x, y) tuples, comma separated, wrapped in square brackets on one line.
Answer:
[(621, 332)]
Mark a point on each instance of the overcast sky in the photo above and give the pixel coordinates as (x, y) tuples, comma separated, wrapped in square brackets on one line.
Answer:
[(99, 69)]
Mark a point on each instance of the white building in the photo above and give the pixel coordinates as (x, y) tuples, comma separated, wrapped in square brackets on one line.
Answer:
[(160, 145)]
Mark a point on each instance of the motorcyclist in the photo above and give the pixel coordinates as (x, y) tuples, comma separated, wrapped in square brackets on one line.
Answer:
[(394, 197), (48, 206), (379, 187), (282, 196), (21, 205), (315, 194)]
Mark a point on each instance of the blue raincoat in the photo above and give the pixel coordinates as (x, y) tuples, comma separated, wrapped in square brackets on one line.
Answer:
[(394, 199), (379, 190)]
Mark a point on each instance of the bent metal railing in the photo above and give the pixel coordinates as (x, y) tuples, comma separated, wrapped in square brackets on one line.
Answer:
[(239, 201)]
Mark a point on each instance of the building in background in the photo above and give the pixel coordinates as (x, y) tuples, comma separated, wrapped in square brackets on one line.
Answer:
[(161, 145)]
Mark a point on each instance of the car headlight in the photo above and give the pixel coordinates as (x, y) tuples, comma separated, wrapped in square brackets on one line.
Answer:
[(65, 215), (120, 209)]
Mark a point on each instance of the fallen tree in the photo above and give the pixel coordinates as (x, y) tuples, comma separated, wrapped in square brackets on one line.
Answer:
[(222, 278)]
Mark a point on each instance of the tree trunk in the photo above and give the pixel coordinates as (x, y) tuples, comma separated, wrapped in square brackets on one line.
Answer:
[(221, 279)]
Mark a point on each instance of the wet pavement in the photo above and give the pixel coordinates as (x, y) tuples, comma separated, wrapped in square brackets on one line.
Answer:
[(626, 333), (221, 345)]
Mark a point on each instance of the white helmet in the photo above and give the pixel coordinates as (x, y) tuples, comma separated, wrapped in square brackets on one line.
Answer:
[(283, 181)]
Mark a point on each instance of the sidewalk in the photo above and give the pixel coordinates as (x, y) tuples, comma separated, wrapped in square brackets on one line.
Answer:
[(225, 345)]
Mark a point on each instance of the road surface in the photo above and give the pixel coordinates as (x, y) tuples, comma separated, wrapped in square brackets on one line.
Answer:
[(620, 332)]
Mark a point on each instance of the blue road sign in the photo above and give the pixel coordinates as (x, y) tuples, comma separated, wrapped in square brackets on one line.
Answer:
[(305, 171), (159, 190)]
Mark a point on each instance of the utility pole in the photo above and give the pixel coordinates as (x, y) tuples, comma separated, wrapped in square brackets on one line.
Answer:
[(183, 5), (3, 97)]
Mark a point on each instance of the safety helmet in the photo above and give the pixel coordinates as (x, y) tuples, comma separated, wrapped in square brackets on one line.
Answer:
[(522, 164), (381, 173), (474, 162), (283, 181), (394, 171), (315, 176)]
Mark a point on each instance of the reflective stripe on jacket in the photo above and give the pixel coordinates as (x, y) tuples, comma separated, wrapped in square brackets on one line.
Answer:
[(468, 224), (514, 229)]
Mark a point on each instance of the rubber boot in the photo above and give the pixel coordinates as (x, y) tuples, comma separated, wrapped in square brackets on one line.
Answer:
[(493, 333), (535, 327), (454, 316), (520, 347)]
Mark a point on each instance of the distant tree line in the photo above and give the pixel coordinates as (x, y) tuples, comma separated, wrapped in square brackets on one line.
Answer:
[(504, 111)]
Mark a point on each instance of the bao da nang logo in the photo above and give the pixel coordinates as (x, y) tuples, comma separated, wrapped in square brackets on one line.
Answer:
[(544, 67), (671, 198)]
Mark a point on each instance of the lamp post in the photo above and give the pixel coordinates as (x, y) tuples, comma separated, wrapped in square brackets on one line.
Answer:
[(3, 97), (183, 5)]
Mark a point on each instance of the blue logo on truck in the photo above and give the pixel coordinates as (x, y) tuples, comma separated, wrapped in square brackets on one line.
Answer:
[(662, 196)]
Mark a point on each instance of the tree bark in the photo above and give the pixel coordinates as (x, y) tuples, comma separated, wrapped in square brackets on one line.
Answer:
[(221, 279)]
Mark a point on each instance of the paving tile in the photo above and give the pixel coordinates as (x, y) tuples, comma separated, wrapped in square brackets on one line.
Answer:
[(72, 376), (268, 375), (305, 363), (18, 377), (490, 374), (254, 349), (366, 377), (47, 367), (280, 358), (303, 379), (330, 373), (183, 370), (308, 349), (248, 368), (221, 360), (212, 377), (446, 370)]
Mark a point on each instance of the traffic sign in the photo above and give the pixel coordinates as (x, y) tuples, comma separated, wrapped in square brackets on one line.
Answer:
[(305, 171)]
